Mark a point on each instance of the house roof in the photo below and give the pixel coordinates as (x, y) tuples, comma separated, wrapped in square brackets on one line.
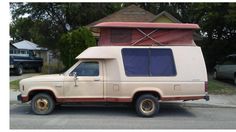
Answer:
[(131, 13), (147, 25), (168, 15), (25, 44)]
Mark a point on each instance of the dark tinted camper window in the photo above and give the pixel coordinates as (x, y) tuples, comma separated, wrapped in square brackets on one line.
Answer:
[(148, 62)]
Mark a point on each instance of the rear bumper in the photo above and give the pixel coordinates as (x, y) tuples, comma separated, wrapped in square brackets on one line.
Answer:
[(22, 98)]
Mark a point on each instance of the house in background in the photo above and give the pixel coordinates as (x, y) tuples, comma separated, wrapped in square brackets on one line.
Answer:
[(131, 13), (26, 48), (134, 13)]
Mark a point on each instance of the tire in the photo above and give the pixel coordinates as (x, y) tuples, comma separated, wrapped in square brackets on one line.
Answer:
[(215, 75), (19, 70), (42, 104), (147, 105)]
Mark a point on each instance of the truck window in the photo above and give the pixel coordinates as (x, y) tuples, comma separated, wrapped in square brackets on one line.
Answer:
[(87, 69), (162, 62), (148, 62), (136, 61)]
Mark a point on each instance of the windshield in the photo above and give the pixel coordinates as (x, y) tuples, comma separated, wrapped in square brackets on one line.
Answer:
[(71, 69)]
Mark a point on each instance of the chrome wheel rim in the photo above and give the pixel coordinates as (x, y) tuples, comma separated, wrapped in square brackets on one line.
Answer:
[(147, 106), (42, 104)]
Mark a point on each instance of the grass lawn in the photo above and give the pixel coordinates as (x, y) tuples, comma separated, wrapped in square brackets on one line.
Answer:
[(15, 84), (218, 87)]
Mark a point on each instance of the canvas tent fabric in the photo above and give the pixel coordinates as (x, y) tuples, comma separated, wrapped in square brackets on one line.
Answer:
[(144, 33)]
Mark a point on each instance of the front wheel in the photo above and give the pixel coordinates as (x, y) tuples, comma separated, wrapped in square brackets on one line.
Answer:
[(42, 104), (147, 105)]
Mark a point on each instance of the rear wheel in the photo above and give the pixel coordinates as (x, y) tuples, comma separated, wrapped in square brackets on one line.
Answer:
[(42, 104), (147, 105)]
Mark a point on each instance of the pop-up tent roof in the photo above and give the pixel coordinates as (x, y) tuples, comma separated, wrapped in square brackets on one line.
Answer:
[(145, 33)]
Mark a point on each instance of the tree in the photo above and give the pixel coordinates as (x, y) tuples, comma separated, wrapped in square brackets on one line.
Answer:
[(49, 20), (73, 43)]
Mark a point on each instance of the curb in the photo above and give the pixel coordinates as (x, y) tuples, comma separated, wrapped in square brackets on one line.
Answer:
[(200, 105)]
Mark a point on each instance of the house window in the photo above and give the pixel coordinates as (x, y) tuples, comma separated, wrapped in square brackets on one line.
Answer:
[(148, 62), (22, 52), (11, 51), (120, 35)]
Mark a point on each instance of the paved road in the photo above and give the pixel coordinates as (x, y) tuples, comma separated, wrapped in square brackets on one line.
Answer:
[(171, 116)]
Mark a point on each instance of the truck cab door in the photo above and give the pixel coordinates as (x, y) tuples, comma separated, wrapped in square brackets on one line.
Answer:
[(87, 85)]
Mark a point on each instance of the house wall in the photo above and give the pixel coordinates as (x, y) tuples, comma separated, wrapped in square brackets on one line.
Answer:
[(163, 19)]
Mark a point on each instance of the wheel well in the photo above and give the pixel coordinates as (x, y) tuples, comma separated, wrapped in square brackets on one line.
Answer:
[(34, 92), (138, 94)]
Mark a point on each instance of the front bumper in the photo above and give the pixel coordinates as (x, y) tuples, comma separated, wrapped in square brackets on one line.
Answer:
[(22, 98)]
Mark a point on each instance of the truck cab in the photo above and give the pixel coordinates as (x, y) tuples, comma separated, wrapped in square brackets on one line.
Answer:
[(24, 59)]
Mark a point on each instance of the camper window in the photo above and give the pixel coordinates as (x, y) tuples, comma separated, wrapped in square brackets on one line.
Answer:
[(120, 35)]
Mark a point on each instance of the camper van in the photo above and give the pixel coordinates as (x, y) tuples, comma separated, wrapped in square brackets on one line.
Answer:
[(140, 75)]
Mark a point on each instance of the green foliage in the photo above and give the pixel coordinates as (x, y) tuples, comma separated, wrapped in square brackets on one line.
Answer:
[(14, 85), (73, 43), (53, 68), (45, 22), (216, 87)]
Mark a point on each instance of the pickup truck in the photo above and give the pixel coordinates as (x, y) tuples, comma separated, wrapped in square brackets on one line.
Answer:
[(140, 75), (19, 62)]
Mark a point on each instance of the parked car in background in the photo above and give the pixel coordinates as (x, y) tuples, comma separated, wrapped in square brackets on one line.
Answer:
[(226, 69), (24, 59)]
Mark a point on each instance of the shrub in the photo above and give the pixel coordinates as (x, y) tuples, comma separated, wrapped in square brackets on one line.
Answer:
[(73, 43), (53, 68)]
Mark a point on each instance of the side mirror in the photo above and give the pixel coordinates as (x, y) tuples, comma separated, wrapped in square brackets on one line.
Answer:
[(75, 78), (75, 75)]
